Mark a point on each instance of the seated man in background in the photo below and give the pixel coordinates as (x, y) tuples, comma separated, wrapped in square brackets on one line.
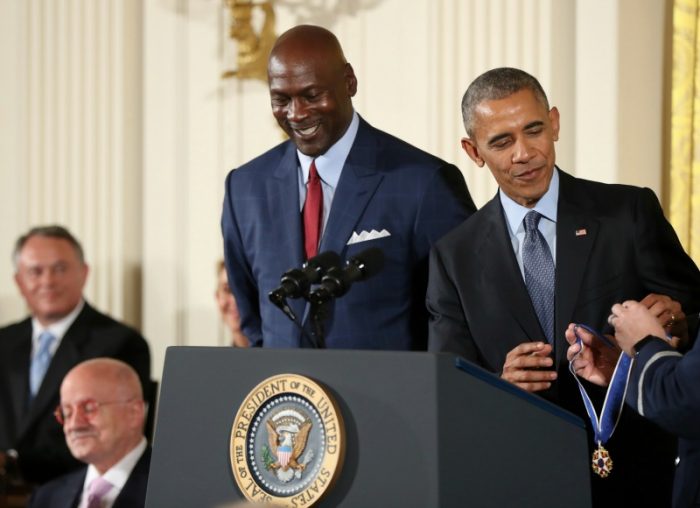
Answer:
[(663, 384), (102, 413), (36, 353), (228, 308)]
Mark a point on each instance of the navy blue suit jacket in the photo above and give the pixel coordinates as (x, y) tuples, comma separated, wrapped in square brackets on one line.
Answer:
[(613, 244), (65, 491), (32, 429), (385, 184), (665, 387)]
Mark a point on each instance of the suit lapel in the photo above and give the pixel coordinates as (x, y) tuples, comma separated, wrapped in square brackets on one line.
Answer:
[(503, 273), (289, 228), (133, 494), (576, 233), (64, 492), (358, 182), (73, 491)]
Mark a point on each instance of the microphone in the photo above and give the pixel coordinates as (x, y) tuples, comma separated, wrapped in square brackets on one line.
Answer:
[(296, 282), (337, 281)]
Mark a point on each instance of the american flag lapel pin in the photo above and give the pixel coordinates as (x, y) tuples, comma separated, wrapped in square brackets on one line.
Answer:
[(581, 232)]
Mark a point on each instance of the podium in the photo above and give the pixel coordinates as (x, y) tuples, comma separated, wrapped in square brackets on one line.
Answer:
[(422, 430)]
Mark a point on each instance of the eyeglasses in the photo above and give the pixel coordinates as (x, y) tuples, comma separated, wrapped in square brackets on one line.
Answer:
[(88, 408)]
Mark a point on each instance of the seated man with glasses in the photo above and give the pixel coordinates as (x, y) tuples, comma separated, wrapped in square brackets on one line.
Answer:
[(102, 413)]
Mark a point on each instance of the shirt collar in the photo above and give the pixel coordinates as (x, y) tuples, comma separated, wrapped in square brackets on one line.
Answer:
[(60, 327), (330, 164), (546, 206), (119, 473)]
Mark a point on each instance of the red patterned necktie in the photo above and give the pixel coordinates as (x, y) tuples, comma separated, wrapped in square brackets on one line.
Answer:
[(313, 213)]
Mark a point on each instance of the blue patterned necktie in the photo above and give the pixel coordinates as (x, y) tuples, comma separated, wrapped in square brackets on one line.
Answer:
[(539, 273), (41, 361)]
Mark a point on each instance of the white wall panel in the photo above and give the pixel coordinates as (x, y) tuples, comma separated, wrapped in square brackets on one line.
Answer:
[(69, 119)]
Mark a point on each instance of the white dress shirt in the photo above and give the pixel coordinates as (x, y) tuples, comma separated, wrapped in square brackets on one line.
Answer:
[(57, 329), (117, 475)]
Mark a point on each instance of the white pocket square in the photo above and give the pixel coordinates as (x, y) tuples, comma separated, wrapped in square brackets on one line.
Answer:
[(364, 236)]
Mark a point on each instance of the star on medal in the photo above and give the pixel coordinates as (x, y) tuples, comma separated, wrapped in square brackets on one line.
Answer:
[(602, 463)]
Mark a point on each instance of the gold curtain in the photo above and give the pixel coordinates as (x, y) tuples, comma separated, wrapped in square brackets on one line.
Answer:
[(685, 126)]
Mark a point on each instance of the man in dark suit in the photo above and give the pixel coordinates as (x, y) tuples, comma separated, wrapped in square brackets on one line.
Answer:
[(662, 387), (35, 354), (102, 412), (589, 245), (377, 191)]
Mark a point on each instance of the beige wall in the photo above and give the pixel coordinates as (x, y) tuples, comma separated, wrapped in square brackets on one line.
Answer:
[(115, 120)]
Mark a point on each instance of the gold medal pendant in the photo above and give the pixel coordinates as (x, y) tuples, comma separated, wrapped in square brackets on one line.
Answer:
[(602, 463)]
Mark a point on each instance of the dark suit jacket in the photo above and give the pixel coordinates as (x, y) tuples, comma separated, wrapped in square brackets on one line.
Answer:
[(664, 387), (65, 491), (385, 184), (32, 430), (613, 243)]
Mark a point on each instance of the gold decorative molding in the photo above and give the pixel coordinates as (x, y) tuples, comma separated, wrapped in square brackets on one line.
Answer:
[(253, 47)]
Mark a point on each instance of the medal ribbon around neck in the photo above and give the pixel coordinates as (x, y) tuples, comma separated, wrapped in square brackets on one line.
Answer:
[(604, 426)]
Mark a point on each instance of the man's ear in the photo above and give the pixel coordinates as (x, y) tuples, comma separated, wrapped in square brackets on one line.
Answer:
[(554, 121), (350, 80), (470, 147)]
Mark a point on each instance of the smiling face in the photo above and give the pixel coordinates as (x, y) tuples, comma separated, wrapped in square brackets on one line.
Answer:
[(311, 88), (51, 276), (514, 137)]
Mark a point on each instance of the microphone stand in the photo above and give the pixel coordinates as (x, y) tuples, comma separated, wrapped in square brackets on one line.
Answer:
[(318, 312)]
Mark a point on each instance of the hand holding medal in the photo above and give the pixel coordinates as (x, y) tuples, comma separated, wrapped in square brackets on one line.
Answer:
[(598, 360)]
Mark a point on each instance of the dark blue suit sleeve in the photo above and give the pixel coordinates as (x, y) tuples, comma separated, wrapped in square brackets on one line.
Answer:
[(448, 330), (664, 387), (240, 275)]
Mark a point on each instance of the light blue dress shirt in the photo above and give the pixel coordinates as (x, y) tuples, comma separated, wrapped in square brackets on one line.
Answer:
[(329, 167), (546, 206)]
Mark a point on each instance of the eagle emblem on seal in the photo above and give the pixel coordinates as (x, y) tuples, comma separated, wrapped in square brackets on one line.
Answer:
[(287, 434)]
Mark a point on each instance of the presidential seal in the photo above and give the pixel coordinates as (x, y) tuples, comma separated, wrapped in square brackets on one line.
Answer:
[(287, 442)]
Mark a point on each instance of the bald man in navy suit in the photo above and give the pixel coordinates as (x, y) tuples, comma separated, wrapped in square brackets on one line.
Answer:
[(378, 191)]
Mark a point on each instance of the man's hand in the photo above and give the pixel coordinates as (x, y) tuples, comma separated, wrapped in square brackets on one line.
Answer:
[(524, 366), (668, 313), (633, 321), (596, 361)]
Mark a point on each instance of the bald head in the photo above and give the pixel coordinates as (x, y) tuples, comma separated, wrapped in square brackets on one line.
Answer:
[(103, 411), (311, 88), (303, 40), (112, 375)]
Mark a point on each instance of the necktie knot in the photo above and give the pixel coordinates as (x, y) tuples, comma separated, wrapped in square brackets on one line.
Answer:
[(97, 490), (531, 221), (313, 172), (46, 338)]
